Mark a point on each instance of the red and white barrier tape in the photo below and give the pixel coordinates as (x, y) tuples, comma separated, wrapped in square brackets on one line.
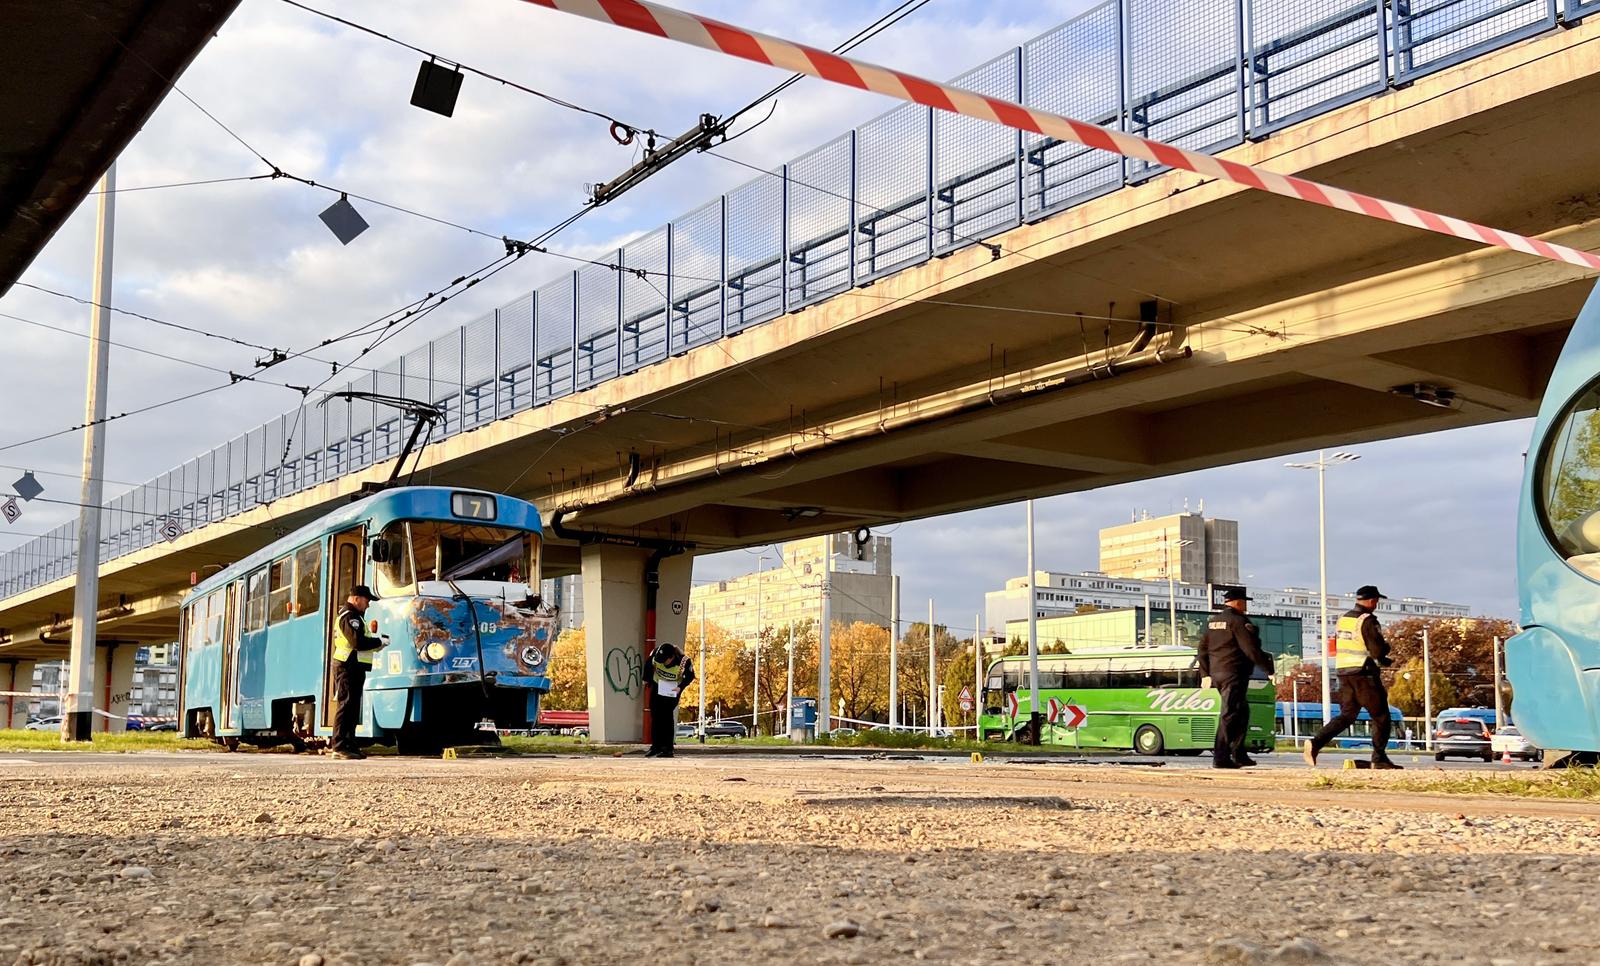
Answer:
[(660, 21)]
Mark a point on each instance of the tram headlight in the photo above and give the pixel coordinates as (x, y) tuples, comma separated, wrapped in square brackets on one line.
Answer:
[(532, 657), (434, 651)]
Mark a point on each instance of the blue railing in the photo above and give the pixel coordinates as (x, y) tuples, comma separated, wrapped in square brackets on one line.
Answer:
[(904, 187)]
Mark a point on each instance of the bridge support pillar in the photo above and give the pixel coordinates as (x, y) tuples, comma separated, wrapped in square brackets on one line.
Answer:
[(113, 686), (614, 601), (16, 675)]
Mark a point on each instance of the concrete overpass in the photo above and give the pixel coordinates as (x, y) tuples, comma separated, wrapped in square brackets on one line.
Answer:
[(1163, 324)]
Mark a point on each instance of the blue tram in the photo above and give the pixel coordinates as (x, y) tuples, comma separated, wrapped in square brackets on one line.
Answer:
[(1553, 665), (466, 639)]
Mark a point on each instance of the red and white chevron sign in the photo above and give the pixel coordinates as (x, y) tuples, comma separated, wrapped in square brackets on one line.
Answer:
[(1066, 715), (660, 21)]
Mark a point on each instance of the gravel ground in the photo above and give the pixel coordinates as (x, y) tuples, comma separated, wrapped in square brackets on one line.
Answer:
[(268, 859)]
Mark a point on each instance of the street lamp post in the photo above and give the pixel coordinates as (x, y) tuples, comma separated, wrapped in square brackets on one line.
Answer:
[(755, 688), (1172, 593), (1321, 464)]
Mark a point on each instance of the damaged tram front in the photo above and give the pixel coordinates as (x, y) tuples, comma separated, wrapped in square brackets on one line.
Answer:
[(466, 637)]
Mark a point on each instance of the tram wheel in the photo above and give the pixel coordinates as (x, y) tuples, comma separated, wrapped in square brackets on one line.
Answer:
[(1148, 740)]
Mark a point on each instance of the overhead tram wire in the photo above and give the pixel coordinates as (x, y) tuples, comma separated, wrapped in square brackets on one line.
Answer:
[(461, 65)]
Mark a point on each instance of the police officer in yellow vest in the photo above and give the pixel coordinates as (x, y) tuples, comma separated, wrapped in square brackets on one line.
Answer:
[(668, 673), (1228, 655), (1359, 652), (353, 650)]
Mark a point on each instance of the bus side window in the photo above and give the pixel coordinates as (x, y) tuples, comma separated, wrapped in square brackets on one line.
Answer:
[(280, 587), (307, 579)]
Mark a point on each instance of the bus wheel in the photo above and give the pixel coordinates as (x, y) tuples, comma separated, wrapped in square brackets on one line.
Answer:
[(1148, 740)]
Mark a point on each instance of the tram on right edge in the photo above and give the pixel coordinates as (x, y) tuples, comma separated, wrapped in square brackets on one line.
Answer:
[(1553, 664)]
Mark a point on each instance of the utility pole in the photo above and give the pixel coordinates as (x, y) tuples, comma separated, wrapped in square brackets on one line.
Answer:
[(77, 724), (894, 653), (933, 676), (1499, 709), (700, 672), (788, 707), (825, 646), (1427, 687), (1033, 638), (977, 675), (755, 689)]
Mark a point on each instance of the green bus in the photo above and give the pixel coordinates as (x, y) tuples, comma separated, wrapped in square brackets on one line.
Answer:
[(1146, 699)]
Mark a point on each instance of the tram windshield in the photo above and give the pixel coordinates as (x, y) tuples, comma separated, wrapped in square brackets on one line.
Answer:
[(1570, 490), (420, 550)]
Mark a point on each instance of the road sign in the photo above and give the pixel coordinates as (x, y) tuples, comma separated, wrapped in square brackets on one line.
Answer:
[(171, 529), (1066, 715), (1012, 705), (965, 698), (28, 487), (11, 510)]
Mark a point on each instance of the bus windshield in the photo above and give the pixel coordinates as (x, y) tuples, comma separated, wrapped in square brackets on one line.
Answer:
[(443, 550)]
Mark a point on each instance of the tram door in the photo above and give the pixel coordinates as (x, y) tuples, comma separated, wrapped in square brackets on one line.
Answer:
[(348, 556), (232, 627)]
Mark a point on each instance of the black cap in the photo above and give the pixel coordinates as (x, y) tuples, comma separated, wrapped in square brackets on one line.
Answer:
[(1235, 593), (362, 590), (1369, 592)]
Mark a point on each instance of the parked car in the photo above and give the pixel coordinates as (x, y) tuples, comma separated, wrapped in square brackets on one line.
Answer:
[(1462, 738), (845, 732), (44, 724), (1511, 740), (686, 730), (725, 729), (163, 726)]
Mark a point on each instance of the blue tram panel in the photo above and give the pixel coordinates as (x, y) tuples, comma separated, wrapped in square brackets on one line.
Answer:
[(465, 638), (1553, 665)]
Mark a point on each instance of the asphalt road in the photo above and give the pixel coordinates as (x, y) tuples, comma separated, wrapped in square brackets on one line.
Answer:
[(1330, 761)]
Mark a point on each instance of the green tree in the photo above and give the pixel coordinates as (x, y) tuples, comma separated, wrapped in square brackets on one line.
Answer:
[(1461, 650), (1408, 692), (959, 673), (569, 673)]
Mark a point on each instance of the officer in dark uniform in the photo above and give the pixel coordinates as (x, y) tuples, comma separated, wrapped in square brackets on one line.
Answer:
[(1359, 651), (668, 673), (1228, 653), (353, 650)]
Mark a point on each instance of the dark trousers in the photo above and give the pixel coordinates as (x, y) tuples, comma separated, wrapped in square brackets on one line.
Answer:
[(1233, 725), (663, 723), (1357, 690), (348, 679)]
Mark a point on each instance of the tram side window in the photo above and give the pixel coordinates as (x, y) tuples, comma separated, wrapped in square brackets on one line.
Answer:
[(213, 618), (1570, 485), (307, 579), (255, 605), (280, 588)]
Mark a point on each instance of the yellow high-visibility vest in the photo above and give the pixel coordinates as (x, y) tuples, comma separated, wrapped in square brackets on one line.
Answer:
[(342, 646), (1349, 649)]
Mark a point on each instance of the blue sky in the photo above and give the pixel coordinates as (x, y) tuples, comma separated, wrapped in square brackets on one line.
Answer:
[(1431, 516)]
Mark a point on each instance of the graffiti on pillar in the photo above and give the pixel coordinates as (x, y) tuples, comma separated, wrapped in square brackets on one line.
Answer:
[(624, 671)]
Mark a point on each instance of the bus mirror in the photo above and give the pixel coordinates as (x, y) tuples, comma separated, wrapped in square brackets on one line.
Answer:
[(380, 550)]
